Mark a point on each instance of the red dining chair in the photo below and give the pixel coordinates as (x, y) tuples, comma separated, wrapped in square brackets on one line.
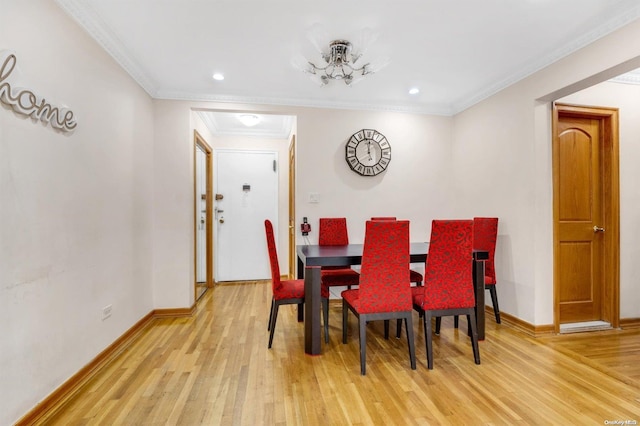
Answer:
[(333, 232), (385, 291), (414, 276), (285, 292), (485, 235), (448, 287)]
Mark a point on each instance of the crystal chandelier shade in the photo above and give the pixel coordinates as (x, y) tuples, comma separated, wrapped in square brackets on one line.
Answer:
[(340, 63)]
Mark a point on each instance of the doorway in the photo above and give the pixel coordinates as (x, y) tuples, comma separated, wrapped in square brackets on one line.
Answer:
[(246, 187), (202, 215), (293, 257), (586, 207)]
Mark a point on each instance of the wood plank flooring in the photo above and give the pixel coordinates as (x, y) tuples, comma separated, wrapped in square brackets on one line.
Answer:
[(215, 369)]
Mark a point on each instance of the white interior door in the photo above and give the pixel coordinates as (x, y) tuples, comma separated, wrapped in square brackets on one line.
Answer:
[(201, 215), (247, 181)]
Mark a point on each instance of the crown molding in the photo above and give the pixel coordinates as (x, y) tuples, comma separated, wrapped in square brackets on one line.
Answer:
[(431, 109), (617, 22), (87, 18)]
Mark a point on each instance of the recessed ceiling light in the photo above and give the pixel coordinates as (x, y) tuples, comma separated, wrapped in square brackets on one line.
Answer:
[(414, 91), (218, 76), (249, 120)]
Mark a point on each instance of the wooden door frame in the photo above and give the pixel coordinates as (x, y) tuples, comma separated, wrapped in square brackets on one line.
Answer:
[(609, 144), (293, 257), (198, 140)]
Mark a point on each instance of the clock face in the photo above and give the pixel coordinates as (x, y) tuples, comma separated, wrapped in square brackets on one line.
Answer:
[(368, 152)]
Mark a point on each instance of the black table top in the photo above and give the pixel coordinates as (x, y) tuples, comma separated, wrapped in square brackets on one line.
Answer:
[(351, 254)]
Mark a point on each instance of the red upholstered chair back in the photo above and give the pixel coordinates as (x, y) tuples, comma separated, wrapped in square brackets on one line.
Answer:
[(333, 231), (485, 234), (273, 257), (383, 218), (448, 278), (384, 276)]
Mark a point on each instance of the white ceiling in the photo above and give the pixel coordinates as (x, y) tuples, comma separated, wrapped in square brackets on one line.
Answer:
[(457, 52)]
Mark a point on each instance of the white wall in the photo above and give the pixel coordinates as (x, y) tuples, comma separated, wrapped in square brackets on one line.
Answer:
[(105, 215), (493, 174), (503, 144), (173, 247), (75, 222), (626, 98), (415, 186)]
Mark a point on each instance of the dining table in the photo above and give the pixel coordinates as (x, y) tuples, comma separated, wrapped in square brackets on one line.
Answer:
[(311, 258)]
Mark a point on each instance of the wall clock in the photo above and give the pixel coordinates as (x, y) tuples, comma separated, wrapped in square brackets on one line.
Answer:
[(368, 152)]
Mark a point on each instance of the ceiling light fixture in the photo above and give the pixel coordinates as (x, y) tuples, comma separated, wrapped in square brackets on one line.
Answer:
[(218, 76), (249, 120), (414, 91), (341, 64)]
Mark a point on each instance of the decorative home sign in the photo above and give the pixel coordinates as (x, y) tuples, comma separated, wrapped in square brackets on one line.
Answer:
[(24, 101), (368, 152)]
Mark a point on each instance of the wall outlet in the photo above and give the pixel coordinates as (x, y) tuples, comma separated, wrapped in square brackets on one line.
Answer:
[(106, 312)]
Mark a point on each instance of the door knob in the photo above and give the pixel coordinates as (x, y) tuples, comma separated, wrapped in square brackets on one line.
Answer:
[(222, 220), (597, 229)]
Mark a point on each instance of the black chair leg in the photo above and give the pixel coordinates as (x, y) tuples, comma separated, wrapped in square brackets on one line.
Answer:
[(408, 323), (273, 322), (398, 328), (273, 302), (439, 322), (494, 299), (344, 321), (386, 329), (300, 312), (362, 325), (471, 318), (427, 337), (325, 314)]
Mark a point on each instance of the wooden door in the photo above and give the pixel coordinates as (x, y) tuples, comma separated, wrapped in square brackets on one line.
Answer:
[(201, 214), (203, 232), (585, 168), (292, 210)]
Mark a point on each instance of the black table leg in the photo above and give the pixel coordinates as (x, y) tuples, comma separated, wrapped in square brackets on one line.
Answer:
[(312, 300), (478, 281), (300, 273)]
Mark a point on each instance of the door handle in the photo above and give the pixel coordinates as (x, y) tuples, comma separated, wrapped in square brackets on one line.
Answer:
[(597, 229)]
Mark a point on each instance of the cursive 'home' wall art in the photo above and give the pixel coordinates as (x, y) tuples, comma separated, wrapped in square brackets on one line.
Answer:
[(24, 101)]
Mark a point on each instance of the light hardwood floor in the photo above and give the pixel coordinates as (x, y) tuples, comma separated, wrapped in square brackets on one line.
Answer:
[(215, 369)]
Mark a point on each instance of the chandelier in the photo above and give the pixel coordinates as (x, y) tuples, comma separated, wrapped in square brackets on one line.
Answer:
[(340, 64)]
